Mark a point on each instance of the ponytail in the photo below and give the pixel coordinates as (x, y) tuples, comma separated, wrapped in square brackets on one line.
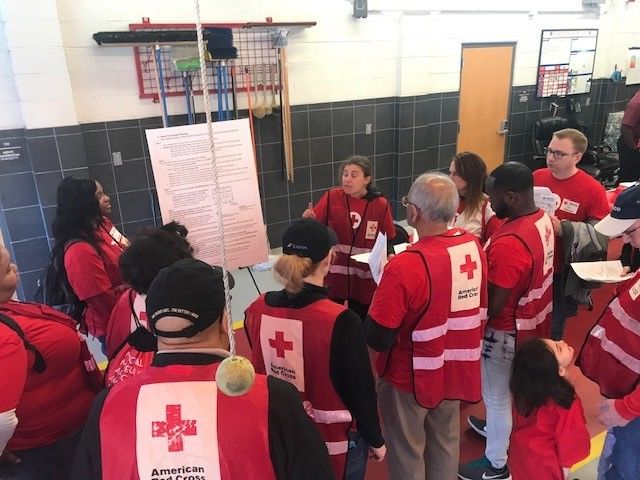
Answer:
[(291, 270)]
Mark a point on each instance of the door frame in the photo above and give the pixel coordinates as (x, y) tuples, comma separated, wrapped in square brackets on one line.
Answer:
[(513, 46)]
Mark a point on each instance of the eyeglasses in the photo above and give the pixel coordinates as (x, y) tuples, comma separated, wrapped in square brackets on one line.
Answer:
[(557, 154), (405, 202)]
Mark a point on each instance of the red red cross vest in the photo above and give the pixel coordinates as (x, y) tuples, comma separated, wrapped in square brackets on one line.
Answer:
[(610, 355), (446, 339), (294, 345), (364, 219), (173, 422), (533, 312)]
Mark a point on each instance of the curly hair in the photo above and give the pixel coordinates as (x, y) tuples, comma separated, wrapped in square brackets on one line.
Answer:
[(152, 250)]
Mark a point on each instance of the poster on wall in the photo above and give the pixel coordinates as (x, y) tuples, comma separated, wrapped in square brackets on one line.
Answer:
[(566, 60), (183, 172), (633, 66)]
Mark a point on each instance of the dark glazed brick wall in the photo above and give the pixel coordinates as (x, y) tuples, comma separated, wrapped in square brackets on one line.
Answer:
[(409, 136)]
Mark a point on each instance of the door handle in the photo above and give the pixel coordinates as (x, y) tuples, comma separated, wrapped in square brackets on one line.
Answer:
[(504, 127)]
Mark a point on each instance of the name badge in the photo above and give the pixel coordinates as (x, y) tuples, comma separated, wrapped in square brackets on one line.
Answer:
[(372, 230), (115, 234), (569, 206), (634, 291)]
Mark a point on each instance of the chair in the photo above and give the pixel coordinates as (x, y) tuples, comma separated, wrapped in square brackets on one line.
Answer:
[(543, 130)]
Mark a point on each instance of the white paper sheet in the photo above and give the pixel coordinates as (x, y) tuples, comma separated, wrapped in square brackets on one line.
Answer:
[(606, 272), (544, 199), (183, 172), (378, 257)]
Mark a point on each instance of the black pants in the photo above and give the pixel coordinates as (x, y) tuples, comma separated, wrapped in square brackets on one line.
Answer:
[(629, 162)]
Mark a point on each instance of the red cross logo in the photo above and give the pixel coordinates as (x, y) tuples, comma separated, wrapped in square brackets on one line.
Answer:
[(174, 428), (356, 219), (547, 234), (143, 317), (468, 267), (280, 344)]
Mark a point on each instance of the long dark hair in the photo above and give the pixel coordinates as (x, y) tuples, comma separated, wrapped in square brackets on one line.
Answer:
[(152, 250), (472, 169), (77, 213), (535, 379)]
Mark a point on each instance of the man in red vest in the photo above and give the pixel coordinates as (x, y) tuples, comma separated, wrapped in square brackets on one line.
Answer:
[(172, 421), (611, 353), (427, 319), (520, 257)]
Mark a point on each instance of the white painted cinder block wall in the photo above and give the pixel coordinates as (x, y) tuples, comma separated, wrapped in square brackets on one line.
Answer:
[(392, 52)]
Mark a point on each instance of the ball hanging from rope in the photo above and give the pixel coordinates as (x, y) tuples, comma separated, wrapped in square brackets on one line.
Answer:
[(235, 376)]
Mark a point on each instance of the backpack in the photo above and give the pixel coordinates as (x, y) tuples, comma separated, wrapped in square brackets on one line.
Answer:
[(57, 291)]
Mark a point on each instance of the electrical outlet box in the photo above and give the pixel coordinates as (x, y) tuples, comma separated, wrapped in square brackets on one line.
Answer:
[(117, 159), (368, 129)]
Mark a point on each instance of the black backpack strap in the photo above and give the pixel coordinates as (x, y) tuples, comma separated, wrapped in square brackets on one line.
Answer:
[(133, 311), (39, 366)]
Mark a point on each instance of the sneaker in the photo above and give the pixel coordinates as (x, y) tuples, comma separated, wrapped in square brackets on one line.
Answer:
[(482, 469), (478, 425)]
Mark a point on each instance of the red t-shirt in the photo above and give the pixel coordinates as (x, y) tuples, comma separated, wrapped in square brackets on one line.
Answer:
[(50, 405), (631, 117), (91, 274), (547, 440), (510, 265), (578, 198), (401, 296)]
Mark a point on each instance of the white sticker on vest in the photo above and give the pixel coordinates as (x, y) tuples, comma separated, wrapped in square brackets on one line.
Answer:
[(282, 349), (139, 308), (372, 230), (547, 239), (634, 291), (466, 276), (569, 206), (177, 431)]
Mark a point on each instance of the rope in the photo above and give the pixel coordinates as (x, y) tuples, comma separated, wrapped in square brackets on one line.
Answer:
[(216, 197)]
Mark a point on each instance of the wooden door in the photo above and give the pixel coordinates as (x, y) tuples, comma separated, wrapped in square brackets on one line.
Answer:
[(485, 92)]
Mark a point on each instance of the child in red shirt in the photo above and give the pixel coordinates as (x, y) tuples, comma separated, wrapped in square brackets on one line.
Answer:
[(549, 428)]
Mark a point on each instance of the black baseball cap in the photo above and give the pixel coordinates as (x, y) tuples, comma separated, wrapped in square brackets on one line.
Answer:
[(308, 238), (189, 289), (625, 212)]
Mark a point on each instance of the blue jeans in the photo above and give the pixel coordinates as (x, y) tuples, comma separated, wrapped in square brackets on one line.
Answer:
[(498, 349), (625, 457), (357, 457), (51, 462)]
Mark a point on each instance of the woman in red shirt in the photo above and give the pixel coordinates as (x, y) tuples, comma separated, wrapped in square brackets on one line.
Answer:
[(85, 252), (549, 429), (45, 398), (152, 250), (356, 211)]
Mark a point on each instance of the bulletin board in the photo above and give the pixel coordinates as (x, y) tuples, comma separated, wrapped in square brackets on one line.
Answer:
[(633, 66), (565, 64)]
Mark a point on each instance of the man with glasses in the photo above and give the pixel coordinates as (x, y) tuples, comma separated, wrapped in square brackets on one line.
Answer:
[(580, 199), (426, 320), (611, 354)]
